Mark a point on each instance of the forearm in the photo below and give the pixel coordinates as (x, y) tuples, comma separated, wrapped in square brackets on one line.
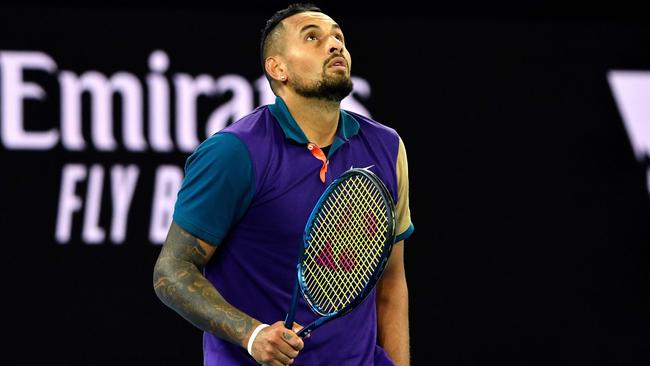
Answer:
[(393, 322), (190, 294), (392, 309), (179, 284)]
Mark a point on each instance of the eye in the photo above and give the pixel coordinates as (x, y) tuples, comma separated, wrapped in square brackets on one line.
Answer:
[(312, 37), (339, 37)]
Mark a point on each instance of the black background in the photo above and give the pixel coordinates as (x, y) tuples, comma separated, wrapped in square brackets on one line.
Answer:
[(532, 214)]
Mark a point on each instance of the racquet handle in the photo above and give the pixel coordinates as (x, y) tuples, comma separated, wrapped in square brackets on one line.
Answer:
[(291, 315)]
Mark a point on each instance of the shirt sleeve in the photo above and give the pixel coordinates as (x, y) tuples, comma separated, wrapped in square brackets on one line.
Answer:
[(218, 186), (402, 211)]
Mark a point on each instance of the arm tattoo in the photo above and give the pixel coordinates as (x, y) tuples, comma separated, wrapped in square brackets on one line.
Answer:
[(179, 284)]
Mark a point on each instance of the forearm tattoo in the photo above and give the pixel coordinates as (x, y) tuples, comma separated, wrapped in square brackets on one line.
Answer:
[(179, 283)]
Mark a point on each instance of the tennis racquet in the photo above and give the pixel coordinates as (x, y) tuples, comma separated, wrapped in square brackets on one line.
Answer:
[(347, 241)]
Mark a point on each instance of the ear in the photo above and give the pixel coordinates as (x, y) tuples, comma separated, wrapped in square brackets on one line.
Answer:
[(275, 68)]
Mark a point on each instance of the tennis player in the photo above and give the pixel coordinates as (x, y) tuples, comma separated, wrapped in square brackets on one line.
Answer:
[(228, 264)]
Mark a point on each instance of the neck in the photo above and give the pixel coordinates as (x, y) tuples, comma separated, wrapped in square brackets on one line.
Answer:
[(317, 118)]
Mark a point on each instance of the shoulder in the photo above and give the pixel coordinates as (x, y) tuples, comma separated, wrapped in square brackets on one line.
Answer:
[(222, 151), (222, 143), (258, 119), (256, 130), (376, 133), (370, 125), (235, 137)]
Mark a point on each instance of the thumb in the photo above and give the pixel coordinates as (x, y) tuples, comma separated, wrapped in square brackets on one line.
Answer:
[(297, 327)]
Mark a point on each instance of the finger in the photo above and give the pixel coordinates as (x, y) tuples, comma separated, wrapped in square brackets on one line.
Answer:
[(293, 340), (297, 328), (284, 353), (276, 348), (285, 347), (269, 347), (278, 361), (282, 359)]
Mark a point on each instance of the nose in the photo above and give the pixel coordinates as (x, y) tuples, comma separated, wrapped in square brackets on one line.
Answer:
[(335, 45)]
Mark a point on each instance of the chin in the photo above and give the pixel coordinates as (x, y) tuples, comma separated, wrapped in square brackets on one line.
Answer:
[(340, 76)]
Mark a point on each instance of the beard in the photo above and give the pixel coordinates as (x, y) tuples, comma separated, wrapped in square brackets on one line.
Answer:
[(329, 88)]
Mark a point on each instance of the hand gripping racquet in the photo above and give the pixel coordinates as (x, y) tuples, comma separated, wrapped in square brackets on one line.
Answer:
[(347, 241)]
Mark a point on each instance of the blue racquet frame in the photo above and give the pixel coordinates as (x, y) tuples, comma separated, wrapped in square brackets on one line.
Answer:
[(300, 284)]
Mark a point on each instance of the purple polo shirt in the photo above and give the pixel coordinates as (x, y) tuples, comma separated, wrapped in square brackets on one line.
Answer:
[(249, 189)]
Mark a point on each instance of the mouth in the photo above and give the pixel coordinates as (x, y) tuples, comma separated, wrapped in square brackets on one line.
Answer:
[(338, 63)]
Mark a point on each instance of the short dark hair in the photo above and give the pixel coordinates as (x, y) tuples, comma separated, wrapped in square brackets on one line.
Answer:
[(278, 17)]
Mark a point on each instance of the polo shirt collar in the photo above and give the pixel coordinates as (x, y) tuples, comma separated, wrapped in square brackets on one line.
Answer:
[(348, 125)]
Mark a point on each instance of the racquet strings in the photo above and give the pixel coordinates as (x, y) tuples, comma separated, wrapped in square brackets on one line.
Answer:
[(345, 244)]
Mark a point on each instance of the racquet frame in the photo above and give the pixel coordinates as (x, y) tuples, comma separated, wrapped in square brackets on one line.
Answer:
[(300, 284)]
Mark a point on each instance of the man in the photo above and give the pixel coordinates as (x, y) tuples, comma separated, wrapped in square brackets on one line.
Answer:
[(228, 263)]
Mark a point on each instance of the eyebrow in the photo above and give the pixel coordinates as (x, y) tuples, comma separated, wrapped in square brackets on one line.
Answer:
[(310, 26)]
